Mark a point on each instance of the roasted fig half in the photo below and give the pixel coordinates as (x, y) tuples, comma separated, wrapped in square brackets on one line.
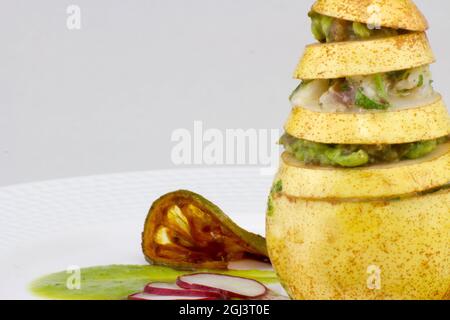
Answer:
[(186, 231)]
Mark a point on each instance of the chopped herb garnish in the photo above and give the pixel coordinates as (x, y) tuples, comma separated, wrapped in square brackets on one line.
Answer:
[(365, 102), (380, 87), (420, 83)]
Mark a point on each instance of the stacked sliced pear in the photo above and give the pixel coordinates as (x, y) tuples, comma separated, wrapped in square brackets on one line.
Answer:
[(378, 231)]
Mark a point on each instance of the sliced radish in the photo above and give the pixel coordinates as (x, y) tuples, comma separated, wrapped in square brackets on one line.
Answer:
[(172, 289), (149, 296), (230, 286)]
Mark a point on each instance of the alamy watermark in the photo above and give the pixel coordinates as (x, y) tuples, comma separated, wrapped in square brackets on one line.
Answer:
[(374, 11), (374, 277), (73, 21), (73, 281), (211, 146)]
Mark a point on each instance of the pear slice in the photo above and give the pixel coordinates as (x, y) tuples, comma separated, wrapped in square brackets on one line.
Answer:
[(356, 58), (184, 230), (424, 122), (396, 14), (370, 182)]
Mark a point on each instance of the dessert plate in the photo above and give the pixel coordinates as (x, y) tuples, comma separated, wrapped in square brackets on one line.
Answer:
[(54, 225)]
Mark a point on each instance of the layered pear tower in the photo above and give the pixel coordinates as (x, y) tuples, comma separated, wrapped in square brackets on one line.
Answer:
[(360, 206)]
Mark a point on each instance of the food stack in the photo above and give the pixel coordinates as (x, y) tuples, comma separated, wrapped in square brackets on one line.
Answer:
[(360, 207)]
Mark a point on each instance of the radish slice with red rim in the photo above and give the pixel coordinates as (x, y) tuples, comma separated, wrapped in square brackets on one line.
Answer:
[(172, 289), (231, 286), (149, 296)]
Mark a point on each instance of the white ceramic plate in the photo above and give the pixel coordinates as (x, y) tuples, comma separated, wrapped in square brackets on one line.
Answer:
[(49, 226)]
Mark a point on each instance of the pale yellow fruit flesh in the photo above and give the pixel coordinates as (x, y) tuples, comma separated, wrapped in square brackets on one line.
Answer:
[(353, 58), (424, 122), (326, 250), (396, 14), (377, 181)]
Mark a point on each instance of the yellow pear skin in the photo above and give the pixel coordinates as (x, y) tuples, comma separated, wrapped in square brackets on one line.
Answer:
[(398, 249)]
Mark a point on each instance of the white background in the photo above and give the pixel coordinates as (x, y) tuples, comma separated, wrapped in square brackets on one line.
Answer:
[(107, 98)]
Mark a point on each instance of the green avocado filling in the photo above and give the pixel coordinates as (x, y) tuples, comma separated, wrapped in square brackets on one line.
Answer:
[(329, 29), (356, 155), (277, 187)]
